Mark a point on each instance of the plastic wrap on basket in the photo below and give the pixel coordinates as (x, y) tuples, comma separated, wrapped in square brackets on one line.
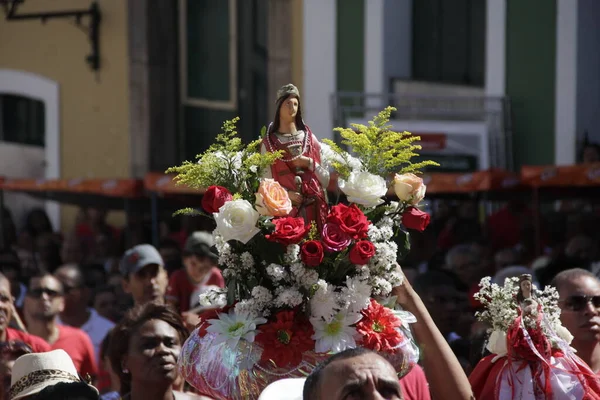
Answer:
[(224, 373)]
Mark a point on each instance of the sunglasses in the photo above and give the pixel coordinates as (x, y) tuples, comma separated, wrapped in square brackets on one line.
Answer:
[(580, 302), (39, 292)]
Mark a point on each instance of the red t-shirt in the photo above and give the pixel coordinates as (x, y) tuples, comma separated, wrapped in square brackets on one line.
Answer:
[(180, 237), (181, 289), (37, 344), (414, 385), (504, 228), (79, 347)]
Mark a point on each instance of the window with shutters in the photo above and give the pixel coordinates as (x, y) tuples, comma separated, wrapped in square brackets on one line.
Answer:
[(22, 120), (449, 41)]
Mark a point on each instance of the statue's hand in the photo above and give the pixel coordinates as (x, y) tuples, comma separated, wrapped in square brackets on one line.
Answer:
[(296, 198), (303, 162)]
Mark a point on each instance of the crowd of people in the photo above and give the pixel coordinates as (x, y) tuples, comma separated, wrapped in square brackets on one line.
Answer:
[(120, 317), (116, 310)]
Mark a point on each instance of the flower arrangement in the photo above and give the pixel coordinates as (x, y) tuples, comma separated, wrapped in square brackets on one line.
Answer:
[(502, 309), (296, 293), (531, 358)]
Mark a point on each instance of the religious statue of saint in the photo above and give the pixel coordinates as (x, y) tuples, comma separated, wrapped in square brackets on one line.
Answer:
[(300, 170), (537, 362), (524, 295)]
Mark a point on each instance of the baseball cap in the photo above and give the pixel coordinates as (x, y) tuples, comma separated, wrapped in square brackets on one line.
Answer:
[(200, 243), (138, 257)]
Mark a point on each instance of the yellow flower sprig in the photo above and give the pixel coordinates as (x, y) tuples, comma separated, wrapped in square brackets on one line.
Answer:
[(313, 233), (380, 150), (228, 162)]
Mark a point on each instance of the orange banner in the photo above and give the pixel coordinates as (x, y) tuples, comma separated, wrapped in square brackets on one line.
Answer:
[(562, 176), (164, 184), (480, 181), (437, 183), (126, 188)]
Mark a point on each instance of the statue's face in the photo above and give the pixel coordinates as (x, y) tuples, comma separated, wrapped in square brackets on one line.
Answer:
[(526, 287), (289, 109)]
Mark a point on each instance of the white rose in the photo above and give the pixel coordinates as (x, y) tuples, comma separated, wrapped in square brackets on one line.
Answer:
[(497, 343), (564, 334), (236, 220), (409, 188), (364, 188)]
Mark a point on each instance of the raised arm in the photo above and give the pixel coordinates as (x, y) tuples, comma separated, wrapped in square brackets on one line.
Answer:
[(447, 380)]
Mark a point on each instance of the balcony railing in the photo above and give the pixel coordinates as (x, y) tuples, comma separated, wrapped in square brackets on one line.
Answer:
[(495, 112)]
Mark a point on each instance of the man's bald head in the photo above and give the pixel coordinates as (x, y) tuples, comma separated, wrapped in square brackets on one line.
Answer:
[(72, 273), (570, 275), (77, 295), (355, 372), (4, 279), (579, 291), (6, 305), (5, 284)]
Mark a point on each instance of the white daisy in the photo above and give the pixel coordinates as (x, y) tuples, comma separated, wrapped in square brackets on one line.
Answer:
[(232, 327), (337, 335), (323, 304), (356, 294)]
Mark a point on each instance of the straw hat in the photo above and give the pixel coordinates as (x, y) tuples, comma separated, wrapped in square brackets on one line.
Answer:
[(284, 389), (34, 372)]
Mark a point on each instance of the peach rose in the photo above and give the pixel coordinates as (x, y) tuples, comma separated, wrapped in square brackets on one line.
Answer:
[(409, 188), (272, 199)]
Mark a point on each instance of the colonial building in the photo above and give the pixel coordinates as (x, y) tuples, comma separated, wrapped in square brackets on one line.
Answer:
[(134, 86), (529, 70), (138, 85)]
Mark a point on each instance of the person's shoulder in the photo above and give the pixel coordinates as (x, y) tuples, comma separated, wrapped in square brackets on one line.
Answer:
[(215, 278), (415, 385), (70, 332), (111, 396), (216, 272), (416, 374), (99, 320), (179, 281), (37, 344), (178, 275)]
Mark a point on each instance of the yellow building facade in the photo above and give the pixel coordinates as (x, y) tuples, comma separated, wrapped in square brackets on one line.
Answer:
[(130, 116), (92, 106)]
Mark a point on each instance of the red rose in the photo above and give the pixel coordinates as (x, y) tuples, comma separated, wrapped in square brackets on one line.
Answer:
[(288, 230), (214, 198), (350, 219), (334, 239), (413, 218), (362, 252), (312, 253)]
